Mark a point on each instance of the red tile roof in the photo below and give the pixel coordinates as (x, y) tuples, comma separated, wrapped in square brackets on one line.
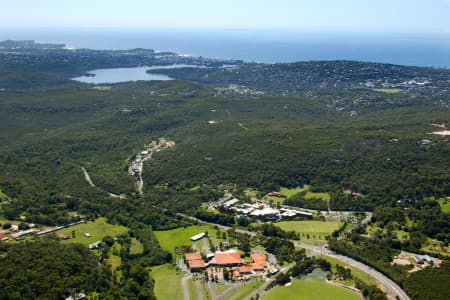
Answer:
[(196, 264), (258, 258), (245, 269), (256, 266), (193, 256), (228, 258)]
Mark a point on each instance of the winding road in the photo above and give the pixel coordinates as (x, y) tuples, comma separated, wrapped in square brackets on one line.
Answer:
[(91, 183), (391, 289)]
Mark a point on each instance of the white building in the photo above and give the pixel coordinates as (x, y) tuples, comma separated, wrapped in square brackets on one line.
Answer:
[(198, 237)]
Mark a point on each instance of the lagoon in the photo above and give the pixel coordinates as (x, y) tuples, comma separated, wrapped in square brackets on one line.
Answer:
[(117, 75)]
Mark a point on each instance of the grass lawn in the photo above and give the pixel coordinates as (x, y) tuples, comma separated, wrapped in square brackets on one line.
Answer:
[(97, 229), (167, 282), (288, 193), (136, 247), (101, 88), (251, 193), (388, 91), (309, 289), (192, 290), (291, 192), (355, 272), (195, 188), (170, 239), (445, 205), (115, 261), (309, 195), (313, 195), (317, 228), (205, 291), (221, 287), (244, 290)]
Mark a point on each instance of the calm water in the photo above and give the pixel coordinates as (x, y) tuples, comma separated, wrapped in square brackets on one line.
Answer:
[(426, 49), (117, 75)]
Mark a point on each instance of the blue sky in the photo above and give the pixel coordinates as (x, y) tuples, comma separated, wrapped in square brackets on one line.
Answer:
[(330, 15)]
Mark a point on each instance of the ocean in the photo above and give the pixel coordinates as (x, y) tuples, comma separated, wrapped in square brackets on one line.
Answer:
[(268, 46)]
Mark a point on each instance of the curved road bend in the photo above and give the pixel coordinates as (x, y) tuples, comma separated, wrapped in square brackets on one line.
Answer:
[(391, 288)]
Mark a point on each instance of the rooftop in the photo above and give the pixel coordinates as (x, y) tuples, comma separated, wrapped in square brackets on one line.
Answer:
[(245, 269), (196, 264), (193, 256), (228, 258), (198, 236)]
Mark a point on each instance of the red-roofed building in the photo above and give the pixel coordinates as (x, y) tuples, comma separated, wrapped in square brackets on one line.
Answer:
[(196, 265), (227, 259), (258, 258), (195, 261), (245, 270), (259, 261), (192, 256)]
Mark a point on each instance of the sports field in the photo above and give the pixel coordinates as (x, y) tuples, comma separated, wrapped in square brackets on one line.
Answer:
[(309, 289), (317, 228)]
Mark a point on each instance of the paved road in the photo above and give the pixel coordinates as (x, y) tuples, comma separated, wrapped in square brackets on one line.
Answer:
[(390, 287), (213, 289), (198, 287), (184, 281)]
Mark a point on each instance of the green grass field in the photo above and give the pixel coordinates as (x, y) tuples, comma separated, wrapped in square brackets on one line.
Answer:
[(311, 232), (244, 290), (445, 205), (192, 289), (115, 261), (167, 282), (97, 229), (356, 272), (388, 91), (136, 247), (291, 192), (313, 195), (170, 239), (250, 193), (288, 193), (317, 228), (308, 289), (221, 287)]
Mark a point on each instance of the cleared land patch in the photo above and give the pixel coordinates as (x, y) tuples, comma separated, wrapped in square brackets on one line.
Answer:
[(445, 205), (310, 289), (305, 190), (315, 229), (136, 247), (97, 231), (388, 91), (171, 239), (167, 282)]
